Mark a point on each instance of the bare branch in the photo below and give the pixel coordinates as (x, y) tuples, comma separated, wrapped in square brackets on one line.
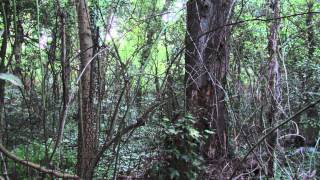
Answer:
[(37, 167), (140, 122)]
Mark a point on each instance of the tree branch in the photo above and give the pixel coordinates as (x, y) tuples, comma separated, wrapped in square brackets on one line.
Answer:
[(140, 122), (256, 19), (37, 167)]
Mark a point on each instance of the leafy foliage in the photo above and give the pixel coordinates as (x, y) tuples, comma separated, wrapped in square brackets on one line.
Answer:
[(140, 60), (180, 158)]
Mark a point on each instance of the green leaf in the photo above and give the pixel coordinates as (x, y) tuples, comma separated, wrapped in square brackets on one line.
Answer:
[(208, 131), (11, 78), (172, 131), (189, 116), (166, 119), (194, 133)]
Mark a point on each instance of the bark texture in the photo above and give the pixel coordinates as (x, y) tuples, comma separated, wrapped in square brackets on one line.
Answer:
[(207, 55), (87, 148)]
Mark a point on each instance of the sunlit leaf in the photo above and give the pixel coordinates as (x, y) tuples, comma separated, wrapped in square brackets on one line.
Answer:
[(194, 133), (208, 131)]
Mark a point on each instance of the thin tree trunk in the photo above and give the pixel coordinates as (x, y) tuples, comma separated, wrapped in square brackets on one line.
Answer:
[(65, 77), (94, 78), (87, 147), (311, 132), (64, 62), (17, 48), (65, 65), (207, 55), (5, 38), (3, 51), (273, 91), (151, 30), (144, 58)]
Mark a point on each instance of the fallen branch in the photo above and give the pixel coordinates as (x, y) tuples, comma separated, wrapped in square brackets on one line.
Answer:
[(37, 167)]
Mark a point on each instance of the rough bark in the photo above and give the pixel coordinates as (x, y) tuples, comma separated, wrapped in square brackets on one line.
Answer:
[(274, 90), (94, 78), (207, 56), (87, 139)]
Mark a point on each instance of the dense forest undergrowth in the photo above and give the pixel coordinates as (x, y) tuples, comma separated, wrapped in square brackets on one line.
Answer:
[(159, 89)]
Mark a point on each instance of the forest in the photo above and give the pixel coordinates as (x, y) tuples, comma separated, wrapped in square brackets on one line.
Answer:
[(159, 89)]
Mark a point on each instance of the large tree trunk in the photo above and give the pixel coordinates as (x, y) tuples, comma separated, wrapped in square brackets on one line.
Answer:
[(273, 88), (207, 54), (87, 141)]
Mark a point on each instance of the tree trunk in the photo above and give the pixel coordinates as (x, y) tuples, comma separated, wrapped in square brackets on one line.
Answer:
[(3, 50), (207, 55), (65, 65), (311, 132), (274, 90), (87, 140)]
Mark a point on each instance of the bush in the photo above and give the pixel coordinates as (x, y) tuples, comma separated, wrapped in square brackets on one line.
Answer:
[(180, 156)]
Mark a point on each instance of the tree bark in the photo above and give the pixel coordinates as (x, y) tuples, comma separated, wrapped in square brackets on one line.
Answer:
[(274, 89), (3, 51), (207, 55), (65, 64), (87, 139), (5, 6)]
